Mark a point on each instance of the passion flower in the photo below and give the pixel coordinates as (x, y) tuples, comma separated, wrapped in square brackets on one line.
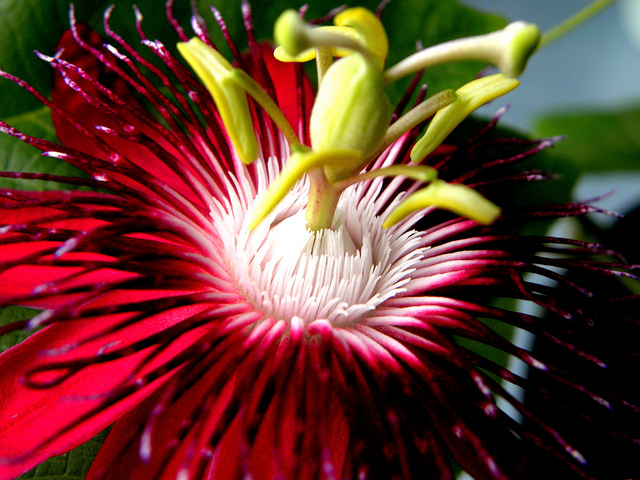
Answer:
[(265, 283)]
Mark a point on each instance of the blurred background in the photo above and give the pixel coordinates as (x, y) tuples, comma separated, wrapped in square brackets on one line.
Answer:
[(587, 85), (594, 68)]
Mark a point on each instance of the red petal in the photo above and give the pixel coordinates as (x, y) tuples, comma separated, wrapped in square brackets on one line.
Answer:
[(19, 272), (273, 453), (31, 416)]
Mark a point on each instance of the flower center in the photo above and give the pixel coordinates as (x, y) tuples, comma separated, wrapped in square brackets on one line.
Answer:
[(338, 274)]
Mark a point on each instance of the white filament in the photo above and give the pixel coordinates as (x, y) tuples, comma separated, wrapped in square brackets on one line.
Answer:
[(339, 275)]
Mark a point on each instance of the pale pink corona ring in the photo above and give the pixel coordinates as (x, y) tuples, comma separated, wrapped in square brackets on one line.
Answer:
[(221, 351)]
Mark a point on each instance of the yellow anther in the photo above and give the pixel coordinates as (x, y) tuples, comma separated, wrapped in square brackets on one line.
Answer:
[(372, 33), (216, 74), (469, 98), (418, 114), (456, 198)]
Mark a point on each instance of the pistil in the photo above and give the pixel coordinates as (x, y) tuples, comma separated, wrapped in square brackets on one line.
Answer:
[(350, 123)]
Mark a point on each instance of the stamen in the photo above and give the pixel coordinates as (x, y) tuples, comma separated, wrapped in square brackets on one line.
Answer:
[(299, 163), (420, 173), (456, 198), (418, 114), (272, 109), (215, 72), (469, 98)]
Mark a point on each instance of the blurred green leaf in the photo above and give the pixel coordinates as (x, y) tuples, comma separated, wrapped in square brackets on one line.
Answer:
[(10, 315), (72, 465), (25, 26), (17, 156), (596, 142)]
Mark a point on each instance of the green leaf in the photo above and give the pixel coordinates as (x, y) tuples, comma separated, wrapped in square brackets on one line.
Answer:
[(596, 142), (72, 465), (17, 156), (25, 26), (10, 315)]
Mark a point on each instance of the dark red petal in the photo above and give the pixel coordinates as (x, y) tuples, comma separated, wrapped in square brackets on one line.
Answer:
[(293, 89), (120, 456), (20, 268), (83, 113), (264, 409), (72, 102)]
